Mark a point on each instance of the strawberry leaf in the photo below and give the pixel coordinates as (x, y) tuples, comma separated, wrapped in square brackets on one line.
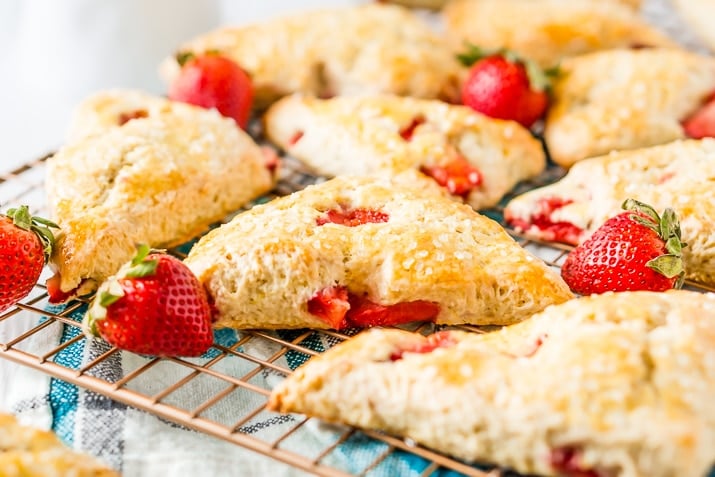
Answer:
[(646, 222), (143, 269), (22, 218), (636, 206), (107, 298), (142, 252), (667, 265), (669, 224), (473, 53), (674, 246), (183, 57)]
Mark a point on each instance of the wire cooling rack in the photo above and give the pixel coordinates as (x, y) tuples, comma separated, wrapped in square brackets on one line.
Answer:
[(21, 324)]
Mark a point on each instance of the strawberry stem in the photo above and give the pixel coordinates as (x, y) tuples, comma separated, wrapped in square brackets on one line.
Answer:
[(22, 218), (539, 79), (667, 227)]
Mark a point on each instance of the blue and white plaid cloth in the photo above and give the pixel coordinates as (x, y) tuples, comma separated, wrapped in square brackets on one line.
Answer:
[(140, 444)]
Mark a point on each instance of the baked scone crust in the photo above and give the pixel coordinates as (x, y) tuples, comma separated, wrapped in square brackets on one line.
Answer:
[(547, 31), (30, 452), (111, 109), (160, 180), (678, 175), (618, 384), (370, 48), (362, 136), (262, 268), (624, 99)]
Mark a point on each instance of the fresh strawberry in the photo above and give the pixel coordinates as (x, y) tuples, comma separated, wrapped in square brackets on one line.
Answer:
[(25, 246), (154, 305), (635, 250), (214, 81), (341, 309), (702, 123), (458, 176), (352, 217), (502, 85)]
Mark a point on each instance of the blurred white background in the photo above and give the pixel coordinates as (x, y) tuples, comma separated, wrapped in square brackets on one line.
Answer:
[(55, 52)]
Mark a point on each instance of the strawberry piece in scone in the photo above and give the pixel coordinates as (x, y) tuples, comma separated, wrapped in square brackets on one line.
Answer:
[(701, 123), (341, 309), (544, 223)]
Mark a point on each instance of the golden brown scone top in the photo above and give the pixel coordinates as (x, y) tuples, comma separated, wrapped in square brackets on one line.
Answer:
[(678, 175), (624, 99), (110, 109), (547, 31), (371, 48), (30, 452), (367, 135), (264, 266), (159, 180), (624, 382)]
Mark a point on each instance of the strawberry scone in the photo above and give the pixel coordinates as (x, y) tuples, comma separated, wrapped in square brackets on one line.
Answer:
[(371, 48), (678, 175), (159, 178), (548, 31), (613, 385), (356, 252), (29, 452), (626, 99), (475, 158)]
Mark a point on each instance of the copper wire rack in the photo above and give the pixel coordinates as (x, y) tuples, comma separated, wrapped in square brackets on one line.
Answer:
[(21, 324)]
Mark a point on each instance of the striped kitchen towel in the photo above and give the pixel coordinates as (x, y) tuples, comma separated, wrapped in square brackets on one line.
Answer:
[(140, 444)]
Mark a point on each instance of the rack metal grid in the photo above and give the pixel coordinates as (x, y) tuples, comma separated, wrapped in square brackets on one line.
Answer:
[(29, 318)]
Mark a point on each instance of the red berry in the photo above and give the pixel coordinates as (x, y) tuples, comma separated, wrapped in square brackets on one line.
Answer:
[(702, 123), (155, 306), (214, 81), (25, 245), (627, 254), (502, 85)]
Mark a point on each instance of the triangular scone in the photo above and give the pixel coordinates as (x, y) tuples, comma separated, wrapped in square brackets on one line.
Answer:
[(387, 134), (547, 31), (111, 109), (678, 175), (30, 452), (357, 252), (605, 386), (158, 180), (624, 99), (370, 48)]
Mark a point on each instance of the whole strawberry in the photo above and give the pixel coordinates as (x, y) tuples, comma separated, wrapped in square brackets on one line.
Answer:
[(214, 81), (635, 250), (154, 305), (25, 245), (501, 85)]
